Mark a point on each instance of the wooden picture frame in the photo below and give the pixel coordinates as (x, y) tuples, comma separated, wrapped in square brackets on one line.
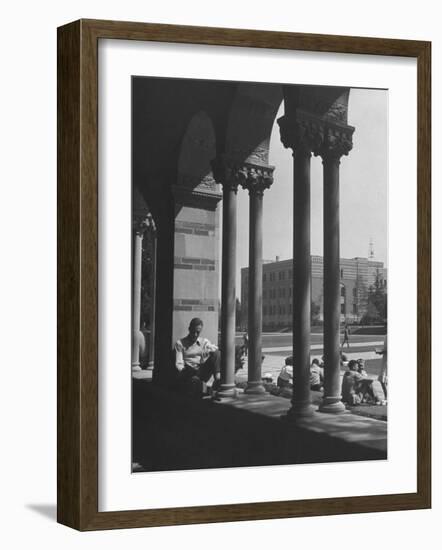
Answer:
[(78, 274)]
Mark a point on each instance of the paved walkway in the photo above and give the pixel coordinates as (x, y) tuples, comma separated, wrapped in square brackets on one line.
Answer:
[(352, 348), (364, 431), (172, 431)]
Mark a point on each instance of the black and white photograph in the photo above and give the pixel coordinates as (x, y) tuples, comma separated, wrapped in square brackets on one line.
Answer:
[(259, 274), (220, 280)]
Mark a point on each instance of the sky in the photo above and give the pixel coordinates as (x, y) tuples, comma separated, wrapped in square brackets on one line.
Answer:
[(363, 190)]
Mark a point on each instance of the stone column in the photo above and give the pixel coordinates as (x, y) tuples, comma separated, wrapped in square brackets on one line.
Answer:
[(139, 228), (224, 175), (151, 347), (255, 178), (337, 142), (295, 136)]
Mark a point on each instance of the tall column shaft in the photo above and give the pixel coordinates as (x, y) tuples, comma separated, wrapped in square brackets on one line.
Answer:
[(301, 400), (254, 382), (136, 299), (332, 289), (228, 292), (151, 348)]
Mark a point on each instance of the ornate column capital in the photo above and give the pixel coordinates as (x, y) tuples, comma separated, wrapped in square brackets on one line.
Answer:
[(299, 136), (322, 136), (255, 177), (224, 173), (143, 223), (232, 173)]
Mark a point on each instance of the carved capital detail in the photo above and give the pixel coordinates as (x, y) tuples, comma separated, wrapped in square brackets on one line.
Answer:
[(255, 178), (336, 143), (299, 136), (307, 133), (224, 173), (251, 176), (143, 223)]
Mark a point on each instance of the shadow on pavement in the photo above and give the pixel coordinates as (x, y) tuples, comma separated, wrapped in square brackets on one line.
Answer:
[(172, 431)]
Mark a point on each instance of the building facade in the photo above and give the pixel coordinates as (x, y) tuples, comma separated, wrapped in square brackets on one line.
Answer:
[(357, 276)]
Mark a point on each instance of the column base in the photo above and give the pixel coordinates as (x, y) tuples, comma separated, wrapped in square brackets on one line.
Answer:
[(332, 405), (136, 367), (226, 391), (300, 409), (254, 388)]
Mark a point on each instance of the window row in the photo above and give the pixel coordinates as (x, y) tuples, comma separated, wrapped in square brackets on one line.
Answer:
[(277, 293), (284, 309), (282, 275)]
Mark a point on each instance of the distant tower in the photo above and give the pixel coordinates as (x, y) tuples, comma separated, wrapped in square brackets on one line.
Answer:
[(371, 249)]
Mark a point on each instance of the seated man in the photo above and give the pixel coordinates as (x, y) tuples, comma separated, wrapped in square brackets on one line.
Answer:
[(343, 360), (361, 368), (350, 382), (284, 381), (316, 376), (240, 357), (371, 391), (196, 359)]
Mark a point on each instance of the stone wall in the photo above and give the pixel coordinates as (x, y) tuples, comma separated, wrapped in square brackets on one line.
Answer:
[(196, 271)]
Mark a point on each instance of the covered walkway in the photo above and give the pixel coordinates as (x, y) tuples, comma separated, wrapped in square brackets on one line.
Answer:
[(175, 432)]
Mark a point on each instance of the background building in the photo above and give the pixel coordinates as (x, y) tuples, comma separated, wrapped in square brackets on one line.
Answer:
[(357, 276)]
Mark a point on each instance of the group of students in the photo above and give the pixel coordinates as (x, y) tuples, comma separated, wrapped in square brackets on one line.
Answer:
[(357, 386), (197, 360), (317, 371)]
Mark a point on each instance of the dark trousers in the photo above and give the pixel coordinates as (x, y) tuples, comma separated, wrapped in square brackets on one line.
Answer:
[(211, 366)]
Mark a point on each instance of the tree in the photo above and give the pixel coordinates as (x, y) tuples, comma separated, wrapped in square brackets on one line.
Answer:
[(361, 296), (376, 302), (238, 314), (314, 312)]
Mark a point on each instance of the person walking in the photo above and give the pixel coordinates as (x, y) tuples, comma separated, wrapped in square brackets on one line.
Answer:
[(246, 343), (383, 372), (346, 337)]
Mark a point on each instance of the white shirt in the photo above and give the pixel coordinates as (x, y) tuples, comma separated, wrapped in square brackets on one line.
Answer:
[(192, 354)]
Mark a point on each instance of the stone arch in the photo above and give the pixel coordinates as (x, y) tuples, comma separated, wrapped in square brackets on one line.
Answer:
[(251, 118), (198, 149)]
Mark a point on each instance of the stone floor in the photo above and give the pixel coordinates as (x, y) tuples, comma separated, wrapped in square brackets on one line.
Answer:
[(173, 432)]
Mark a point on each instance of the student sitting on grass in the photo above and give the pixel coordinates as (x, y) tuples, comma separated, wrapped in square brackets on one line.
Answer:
[(350, 380), (316, 376)]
